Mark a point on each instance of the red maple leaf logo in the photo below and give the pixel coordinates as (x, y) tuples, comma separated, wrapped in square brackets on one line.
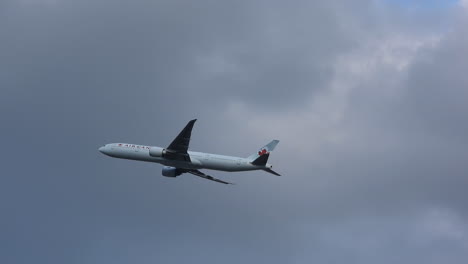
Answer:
[(262, 152)]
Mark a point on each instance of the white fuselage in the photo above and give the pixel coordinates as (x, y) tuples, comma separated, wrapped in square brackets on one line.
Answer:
[(199, 160)]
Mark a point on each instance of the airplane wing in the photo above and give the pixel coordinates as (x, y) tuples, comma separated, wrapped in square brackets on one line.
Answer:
[(208, 177), (177, 150)]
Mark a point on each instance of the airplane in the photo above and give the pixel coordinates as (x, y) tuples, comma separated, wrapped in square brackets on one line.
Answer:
[(177, 159)]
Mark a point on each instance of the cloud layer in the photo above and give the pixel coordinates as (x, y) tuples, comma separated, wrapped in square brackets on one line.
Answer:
[(368, 100)]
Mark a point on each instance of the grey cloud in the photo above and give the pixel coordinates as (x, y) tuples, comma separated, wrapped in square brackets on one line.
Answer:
[(75, 75)]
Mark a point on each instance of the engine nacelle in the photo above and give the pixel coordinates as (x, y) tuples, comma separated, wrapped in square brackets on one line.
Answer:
[(157, 152), (170, 171)]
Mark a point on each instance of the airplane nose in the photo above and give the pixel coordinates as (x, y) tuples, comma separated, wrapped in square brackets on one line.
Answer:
[(102, 149)]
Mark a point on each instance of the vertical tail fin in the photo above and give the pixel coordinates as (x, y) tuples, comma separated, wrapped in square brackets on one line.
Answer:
[(261, 157)]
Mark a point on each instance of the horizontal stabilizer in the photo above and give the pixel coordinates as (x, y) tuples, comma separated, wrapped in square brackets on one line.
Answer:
[(272, 172)]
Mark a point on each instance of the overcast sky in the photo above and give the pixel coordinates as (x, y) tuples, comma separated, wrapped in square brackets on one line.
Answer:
[(369, 99)]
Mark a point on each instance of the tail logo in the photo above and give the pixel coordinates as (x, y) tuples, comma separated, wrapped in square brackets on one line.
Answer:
[(262, 152)]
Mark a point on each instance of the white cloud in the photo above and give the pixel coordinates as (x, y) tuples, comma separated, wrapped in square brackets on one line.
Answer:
[(464, 3), (443, 223), (322, 120)]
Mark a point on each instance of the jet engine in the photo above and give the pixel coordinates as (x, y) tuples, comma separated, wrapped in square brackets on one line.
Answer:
[(170, 171), (157, 152)]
